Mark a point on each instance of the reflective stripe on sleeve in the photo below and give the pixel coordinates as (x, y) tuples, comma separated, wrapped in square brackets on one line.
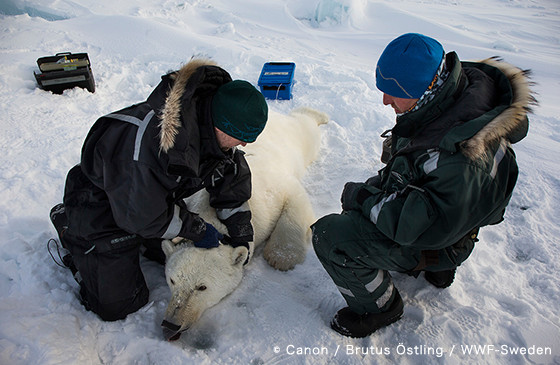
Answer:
[(374, 212), (224, 214), (175, 225)]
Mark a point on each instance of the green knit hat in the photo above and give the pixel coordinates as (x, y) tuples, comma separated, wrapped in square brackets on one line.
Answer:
[(239, 110)]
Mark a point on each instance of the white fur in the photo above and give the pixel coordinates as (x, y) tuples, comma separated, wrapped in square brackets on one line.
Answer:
[(281, 211)]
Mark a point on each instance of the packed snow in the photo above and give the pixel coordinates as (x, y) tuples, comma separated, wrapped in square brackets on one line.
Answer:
[(503, 306)]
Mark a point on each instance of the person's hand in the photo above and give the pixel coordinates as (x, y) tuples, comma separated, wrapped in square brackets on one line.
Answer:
[(211, 238), (353, 195), (374, 181)]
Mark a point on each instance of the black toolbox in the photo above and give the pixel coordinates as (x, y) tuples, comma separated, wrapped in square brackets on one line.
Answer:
[(65, 71)]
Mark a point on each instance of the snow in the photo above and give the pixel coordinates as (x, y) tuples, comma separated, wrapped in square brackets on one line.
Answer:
[(505, 297)]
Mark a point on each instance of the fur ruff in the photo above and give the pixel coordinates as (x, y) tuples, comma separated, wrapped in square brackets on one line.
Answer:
[(171, 112), (523, 99)]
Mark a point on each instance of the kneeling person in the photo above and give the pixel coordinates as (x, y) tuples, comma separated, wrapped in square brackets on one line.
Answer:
[(450, 170), (137, 166)]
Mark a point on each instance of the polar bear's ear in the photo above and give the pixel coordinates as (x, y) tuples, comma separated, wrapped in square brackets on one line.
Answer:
[(239, 255), (169, 247)]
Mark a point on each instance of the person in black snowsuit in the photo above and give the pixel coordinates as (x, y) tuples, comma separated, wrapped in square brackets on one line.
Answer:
[(138, 164)]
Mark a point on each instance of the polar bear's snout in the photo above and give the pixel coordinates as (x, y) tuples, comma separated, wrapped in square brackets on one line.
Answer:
[(183, 310), (171, 331), (198, 279)]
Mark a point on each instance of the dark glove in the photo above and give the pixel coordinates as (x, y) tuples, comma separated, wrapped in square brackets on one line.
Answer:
[(211, 238), (353, 195), (239, 227), (374, 181)]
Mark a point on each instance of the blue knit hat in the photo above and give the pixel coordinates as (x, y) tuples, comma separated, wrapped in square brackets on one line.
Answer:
[(408, 65), (239, 110)]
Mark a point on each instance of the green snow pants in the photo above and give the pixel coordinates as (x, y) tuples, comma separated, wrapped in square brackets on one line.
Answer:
[(358, 258)]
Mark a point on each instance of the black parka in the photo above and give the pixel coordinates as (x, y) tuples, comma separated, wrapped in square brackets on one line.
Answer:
[(139, 163)]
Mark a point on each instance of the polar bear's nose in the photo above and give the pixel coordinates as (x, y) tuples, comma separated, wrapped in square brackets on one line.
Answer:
[(171, 330)]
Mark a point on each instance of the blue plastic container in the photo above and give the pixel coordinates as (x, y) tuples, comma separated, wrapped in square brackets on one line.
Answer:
[(276, 80)]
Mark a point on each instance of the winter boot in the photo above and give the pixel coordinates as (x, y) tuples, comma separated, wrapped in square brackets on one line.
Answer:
[(440, 279), (60, 222), (349, 323)]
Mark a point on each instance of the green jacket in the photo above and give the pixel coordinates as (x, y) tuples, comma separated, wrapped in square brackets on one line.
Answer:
[(452, 168)]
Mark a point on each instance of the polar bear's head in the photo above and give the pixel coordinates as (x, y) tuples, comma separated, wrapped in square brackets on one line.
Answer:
[(198, 278)]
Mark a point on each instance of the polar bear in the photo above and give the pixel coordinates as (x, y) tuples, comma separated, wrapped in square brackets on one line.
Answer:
[(281, 216)]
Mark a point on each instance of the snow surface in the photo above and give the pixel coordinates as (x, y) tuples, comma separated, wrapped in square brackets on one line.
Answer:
[(506, 296)]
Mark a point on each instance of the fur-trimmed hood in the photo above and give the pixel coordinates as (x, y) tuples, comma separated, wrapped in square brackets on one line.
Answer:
[(175, 98), (511, 123), (479, 104), (171, 113)]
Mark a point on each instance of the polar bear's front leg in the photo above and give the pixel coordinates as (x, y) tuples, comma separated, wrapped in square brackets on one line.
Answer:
[(288, 242)]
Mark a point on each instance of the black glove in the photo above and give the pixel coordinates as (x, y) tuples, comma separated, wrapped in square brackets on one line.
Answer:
[(374, 181), (353, 195), (239, 227)]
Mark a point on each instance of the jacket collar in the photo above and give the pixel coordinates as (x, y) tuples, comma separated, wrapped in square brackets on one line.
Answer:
[(507, 118)]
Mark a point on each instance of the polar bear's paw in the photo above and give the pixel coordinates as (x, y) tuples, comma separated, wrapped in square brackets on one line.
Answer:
[(284, 256)]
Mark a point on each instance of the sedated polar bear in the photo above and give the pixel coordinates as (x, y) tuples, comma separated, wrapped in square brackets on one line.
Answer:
[(281, 215)]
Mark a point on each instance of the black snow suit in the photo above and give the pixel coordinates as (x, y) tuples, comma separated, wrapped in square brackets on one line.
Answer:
[(137, 166)]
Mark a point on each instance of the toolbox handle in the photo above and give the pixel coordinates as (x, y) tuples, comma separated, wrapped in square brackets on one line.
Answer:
[(63, 53), (280, 63)]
